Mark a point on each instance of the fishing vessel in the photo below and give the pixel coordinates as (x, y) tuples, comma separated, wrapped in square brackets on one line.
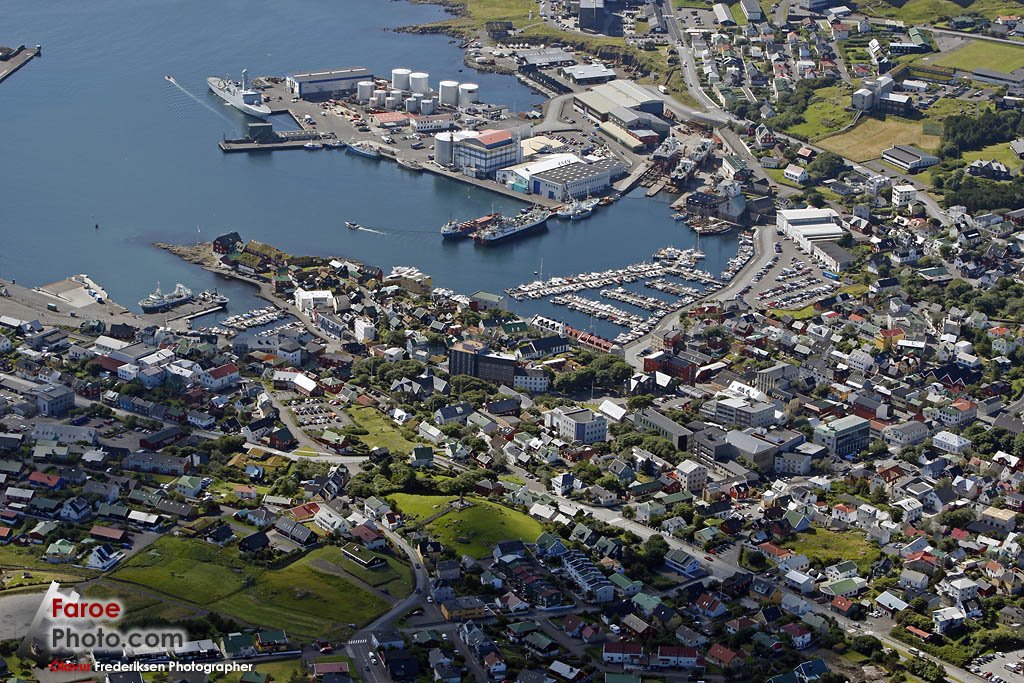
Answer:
[(410, 164), (578, 210), (239, 95), (679, 216), (313, 145), (157, 302), (364, 149), (454, 229), (335, 144), (506, 228)]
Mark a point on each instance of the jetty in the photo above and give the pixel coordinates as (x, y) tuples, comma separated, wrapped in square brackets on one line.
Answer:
[(15, 59)]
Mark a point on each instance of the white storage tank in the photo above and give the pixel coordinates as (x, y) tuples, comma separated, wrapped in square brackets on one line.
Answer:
[(364, 90), (400, 79), (444, 148), (428, 106), (412, 105), (448, 92), (419, 82), (392, 102), (468, 94), (397, 94), (378, 97)]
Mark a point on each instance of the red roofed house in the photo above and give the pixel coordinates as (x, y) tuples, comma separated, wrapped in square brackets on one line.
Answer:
[(106, 533), (845, 513), (773, 551), (46, 481), (674, 657), (623, 653), (304, 512), (720, 655), (367, 536), (799, 634), (220, 377), (843, 606)]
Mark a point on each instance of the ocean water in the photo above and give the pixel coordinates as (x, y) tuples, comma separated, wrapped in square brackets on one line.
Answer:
[(93, 133)]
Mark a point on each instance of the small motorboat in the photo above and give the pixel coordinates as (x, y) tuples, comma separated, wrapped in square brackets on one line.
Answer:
[(679, 216), (352, 226), (313, 145)]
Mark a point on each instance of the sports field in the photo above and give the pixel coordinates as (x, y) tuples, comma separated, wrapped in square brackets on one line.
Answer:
[(983, 54), (871, 137)]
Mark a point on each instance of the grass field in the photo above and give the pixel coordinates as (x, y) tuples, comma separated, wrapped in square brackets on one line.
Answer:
[(797, 314), (826, 114), (737, 14), (303, 600), (983, 54), (830, 547), (928, 11), (776, 174), (382, 432), (280, 672), (299, 597), (396, 578), (420, 507), (476, 529), (871, 137), (1000, 152)]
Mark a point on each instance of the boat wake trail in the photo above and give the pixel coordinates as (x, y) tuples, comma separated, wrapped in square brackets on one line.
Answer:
[(207, 105)]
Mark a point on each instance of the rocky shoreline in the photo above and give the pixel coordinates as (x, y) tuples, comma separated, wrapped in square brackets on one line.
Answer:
[(201, 254)]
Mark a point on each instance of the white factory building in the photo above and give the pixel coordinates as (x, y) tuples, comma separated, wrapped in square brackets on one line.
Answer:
[(325, 84), (479, 154), (573, 181), (806, 226), (518, 177)]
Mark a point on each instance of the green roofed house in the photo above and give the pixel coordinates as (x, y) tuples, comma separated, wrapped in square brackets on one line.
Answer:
[(625, 586), (845, 587), (422, 456), (646, 603), (60, 551), (271, 640), (239, 645)]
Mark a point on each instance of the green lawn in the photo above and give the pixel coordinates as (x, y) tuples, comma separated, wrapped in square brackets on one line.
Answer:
[(300, 598), (188, 569), (983, 54), (420, 507), (1000, 152), (475, 530), (280, 672), (382, 431), (797, 314), (737, 14), (776, 174), (396, 577), (834, 546), (929, 11), (826, 114)]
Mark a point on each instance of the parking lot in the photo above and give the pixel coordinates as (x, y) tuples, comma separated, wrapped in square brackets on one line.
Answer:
[(789, 281), (315, 412), (999, 667)]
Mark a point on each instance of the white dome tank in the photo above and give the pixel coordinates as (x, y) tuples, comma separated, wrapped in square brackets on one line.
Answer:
[(400, 79), (397, 94), (448, 91), (468, 94), (391, 102), (444, 148), (364, 90), (412, 105), (428, 106), (379, 96), (419, 82)]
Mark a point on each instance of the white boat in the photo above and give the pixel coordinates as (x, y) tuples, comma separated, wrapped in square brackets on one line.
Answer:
[(352, 226), (679, 216), (239, 95), (335, 144), (313, 145), (364, 149)]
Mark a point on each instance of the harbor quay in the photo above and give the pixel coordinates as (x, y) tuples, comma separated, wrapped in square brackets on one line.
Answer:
[(12, 59), (420, 141)]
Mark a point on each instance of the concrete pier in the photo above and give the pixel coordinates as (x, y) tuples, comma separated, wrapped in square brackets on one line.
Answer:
[(20, 58)]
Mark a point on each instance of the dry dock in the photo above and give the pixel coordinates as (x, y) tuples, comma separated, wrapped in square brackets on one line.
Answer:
[(20, 58)]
